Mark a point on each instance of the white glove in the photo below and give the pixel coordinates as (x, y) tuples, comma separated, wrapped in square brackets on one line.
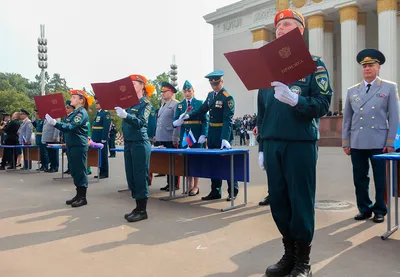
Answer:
[(225, 144), (103, 141), (184, 116), (261, 160), (50, 120), (283, 94), (202, 139), (121, 112), (178, 122)]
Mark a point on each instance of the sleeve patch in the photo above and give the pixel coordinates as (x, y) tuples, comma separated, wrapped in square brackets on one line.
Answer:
[(77, 118), (230, 104), (323, 82)]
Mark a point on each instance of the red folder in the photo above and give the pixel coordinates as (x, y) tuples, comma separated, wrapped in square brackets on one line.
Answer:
[(120, 93), (286, 59), (52, 104)]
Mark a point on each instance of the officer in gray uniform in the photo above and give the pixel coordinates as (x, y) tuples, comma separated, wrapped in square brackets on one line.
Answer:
[(370, 122), (166, 134)]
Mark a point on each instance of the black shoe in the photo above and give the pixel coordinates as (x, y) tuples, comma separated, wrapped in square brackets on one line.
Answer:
[(69, 202), (264, 202), (67, 171), (286, 263), (81, 199), (229, 198), (51, 170), (140, 213), (362, 216), (211, 197), (166, 188), (134, 210), (378, 218), (302, 267), (2, 168)]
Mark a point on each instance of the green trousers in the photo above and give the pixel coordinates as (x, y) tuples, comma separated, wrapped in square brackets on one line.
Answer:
[(291, 172), (77, 160), (137, 166)]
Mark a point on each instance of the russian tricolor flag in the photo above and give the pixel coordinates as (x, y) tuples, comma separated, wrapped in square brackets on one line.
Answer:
[(189, 139)]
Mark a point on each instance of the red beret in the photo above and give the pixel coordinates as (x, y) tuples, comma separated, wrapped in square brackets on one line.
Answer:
[(285, 14)]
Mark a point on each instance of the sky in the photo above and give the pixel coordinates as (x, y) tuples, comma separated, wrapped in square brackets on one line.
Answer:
[(102, 41)]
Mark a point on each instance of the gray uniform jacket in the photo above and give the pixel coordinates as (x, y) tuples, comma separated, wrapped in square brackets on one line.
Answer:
[(49, 133), (165, 129), (370, 120), (25, 131)]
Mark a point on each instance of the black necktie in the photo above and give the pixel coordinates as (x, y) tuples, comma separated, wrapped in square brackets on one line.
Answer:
[(188, 103), (369, 86)]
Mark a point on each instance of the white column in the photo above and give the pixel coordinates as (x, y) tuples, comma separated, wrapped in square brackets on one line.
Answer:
[(361, 39), (315, 25), (328, 59), (261, 36), (387, 33), (350, 68), (398, 41)]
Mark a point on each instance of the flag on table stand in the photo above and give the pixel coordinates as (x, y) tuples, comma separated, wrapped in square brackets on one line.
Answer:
[(190, 139), (184, 142)]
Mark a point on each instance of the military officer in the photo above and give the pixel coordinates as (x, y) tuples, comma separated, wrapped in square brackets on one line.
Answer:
[(288, 126), (370, 122), (137, 147), (76, 137), (100, 133), (111, 142), (166, 134), (221, 106), (38, 124), (198, 126)]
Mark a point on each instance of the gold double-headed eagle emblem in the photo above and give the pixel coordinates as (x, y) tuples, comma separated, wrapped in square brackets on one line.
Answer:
[(285, 52), (122, 88)]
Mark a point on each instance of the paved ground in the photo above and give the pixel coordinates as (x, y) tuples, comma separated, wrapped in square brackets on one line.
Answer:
[(41, 236)]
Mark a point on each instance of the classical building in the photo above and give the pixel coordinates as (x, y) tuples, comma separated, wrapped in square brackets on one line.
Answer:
[(335, 30)]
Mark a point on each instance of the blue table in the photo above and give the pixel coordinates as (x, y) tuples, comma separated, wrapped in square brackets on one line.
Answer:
[(59, 146), (232, 164), (391, 183), (28, 148)]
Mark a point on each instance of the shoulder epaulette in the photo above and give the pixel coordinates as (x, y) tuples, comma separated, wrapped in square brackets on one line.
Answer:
[(315, 58), (146, 100), (226, 93), (356, 85), (388, 82)]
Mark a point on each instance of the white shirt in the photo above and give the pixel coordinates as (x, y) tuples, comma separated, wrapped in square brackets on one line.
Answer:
[(366, 83)]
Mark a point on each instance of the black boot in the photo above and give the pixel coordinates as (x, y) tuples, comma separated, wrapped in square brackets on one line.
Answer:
[(134, 210), (302, 267), (69, 202), (140, 213), (286, 264), (81, 200)]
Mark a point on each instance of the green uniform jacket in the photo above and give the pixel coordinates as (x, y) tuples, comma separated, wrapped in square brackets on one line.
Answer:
[(198, 125), (38, 124), (134, 126), (75, 131), (152, 124), (101, 126), (222, 109), (280, 121)]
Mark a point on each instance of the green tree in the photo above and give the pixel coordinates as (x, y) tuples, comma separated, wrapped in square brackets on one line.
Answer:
[(13, 101)]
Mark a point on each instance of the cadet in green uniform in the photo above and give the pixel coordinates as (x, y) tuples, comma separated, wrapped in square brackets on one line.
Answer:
[(137, 147), (111, 142), (198, 126), (38, 124), (151, 131), (100, 134), (76, 137), (287, 123), (220, 134)]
